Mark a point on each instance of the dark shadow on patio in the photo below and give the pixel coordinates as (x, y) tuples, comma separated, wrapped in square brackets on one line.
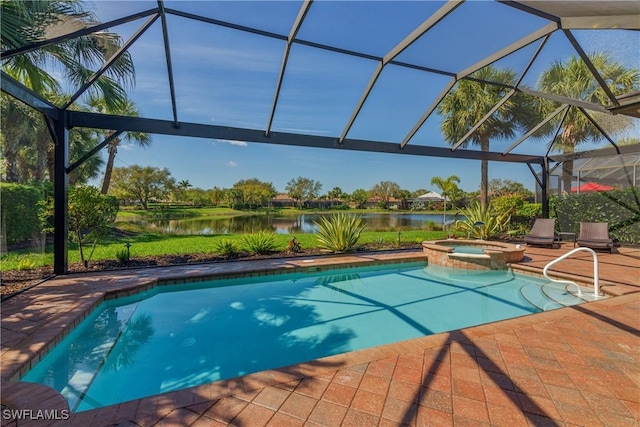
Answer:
[(532, 411)]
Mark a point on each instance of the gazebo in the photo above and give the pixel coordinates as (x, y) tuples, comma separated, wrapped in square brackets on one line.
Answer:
[(431, 196)]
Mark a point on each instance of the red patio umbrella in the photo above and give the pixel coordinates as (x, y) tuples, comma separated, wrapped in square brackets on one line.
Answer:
[(591, 186)]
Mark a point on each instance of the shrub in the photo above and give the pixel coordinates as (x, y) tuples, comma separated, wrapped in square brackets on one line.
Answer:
[(341, 207), (619, 208), (493, 222), (521, 222), (226, 247), (19, 212), (340, 232), (122, 256), (260, 243), (530, 210), (509, 203), (26, 264), (91, 214)]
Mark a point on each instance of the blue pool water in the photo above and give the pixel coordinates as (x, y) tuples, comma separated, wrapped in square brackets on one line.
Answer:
[(468, 249), (179, 336)]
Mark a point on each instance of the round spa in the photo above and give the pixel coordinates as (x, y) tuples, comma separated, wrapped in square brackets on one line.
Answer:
[(472, 254)]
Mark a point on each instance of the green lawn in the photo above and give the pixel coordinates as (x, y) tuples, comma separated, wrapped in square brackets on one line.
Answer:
[(125, 214), (158, 244), (144, 243)]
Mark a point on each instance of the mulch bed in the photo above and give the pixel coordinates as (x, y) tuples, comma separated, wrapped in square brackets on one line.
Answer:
[(16, 280)]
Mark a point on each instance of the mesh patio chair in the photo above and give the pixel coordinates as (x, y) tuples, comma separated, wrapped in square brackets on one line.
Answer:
[(595, 235), (542, 232)]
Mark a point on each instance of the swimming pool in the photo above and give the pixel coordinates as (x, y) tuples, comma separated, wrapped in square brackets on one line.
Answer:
[(179, 336)]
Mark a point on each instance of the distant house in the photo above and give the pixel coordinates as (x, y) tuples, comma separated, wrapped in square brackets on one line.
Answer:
[(374, 202), (325, 203), (283, 201)]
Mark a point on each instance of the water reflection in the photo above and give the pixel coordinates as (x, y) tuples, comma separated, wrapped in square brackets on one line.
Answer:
[(107, 346), (291, 224)]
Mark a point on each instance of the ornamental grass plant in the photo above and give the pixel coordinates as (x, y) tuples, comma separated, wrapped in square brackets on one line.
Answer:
[(483, 223), (226, 248), (260, 243), (340, 232)]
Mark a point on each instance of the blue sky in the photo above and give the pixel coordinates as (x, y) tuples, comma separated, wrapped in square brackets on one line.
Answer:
[(227, 77)]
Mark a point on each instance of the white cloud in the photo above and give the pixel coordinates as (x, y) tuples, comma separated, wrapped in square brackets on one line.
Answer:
[(238, 143), (232, 164), (232, 142)]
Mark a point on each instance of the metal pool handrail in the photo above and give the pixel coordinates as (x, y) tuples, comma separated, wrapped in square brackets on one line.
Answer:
[(596, 283)]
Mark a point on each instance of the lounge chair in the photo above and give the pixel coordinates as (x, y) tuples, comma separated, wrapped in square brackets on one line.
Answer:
[(595, 235), (542, 232)]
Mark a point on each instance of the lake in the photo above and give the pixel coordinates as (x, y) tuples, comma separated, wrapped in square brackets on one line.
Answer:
[(289, 224)]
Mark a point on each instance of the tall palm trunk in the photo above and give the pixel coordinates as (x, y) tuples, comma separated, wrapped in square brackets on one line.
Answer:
[(567, 175), (113, 150), (10, 153), (484, 173), (42, 148), (41, 167), (11, 158), (567, 170), (50, 166)]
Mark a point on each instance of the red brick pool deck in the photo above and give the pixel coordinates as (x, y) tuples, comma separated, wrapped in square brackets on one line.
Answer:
[(575, 366)]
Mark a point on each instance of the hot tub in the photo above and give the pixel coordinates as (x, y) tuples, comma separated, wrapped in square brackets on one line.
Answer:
[(472, 254)]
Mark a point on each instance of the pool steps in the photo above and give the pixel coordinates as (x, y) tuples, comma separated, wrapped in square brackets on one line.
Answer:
[(532, 293), (551, 295), (547, 296)]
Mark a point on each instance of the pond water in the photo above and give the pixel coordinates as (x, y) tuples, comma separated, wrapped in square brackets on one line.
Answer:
[(290, 224)]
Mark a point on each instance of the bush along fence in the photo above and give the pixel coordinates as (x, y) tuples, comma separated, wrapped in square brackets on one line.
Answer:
[(19, 213), (619, 208)]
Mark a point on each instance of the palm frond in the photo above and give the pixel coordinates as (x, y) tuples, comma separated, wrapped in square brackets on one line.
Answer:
[(25, 22)]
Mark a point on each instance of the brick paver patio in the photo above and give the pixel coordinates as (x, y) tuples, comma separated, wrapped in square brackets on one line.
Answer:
[(576, 366)]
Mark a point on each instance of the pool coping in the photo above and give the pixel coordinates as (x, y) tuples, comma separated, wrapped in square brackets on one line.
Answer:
[(46, 338)]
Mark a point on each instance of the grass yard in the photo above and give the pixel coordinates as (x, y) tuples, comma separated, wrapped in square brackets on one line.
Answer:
[(144, 245)]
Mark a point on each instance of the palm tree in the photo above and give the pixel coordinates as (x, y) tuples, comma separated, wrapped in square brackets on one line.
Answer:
[(184, 184), (29, 156), (15, 134), (448, 187), (573, 79), (25, 22), (81, 140), (181, 189), (142, 139), (471, 100)]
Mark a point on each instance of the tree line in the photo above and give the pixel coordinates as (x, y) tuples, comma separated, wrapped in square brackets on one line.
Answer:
[(27, 150), (141, 185)]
